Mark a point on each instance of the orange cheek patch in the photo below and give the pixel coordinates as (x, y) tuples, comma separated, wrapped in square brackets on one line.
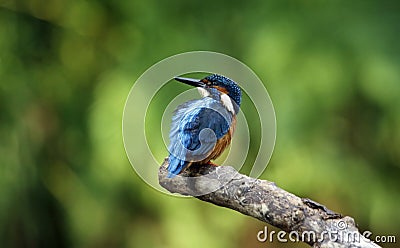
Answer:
[(223, 90)]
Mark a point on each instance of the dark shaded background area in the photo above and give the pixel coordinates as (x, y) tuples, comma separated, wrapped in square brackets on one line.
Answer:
[(66, 67)]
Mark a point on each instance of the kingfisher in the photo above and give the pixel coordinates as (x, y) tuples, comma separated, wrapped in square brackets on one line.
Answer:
[(202, 129)]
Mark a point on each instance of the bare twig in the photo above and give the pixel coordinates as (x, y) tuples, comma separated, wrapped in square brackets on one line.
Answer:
[(310, 221)]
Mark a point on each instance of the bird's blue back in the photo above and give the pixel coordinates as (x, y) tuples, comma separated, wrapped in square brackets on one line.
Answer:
[(188, 143)]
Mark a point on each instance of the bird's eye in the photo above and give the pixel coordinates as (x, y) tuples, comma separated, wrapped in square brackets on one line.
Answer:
[(206, 82)]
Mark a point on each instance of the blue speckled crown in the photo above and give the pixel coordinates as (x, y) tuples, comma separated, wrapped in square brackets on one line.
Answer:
[(233, 89)]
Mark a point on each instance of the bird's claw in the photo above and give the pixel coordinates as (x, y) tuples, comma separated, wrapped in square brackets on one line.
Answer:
[(212, 164)]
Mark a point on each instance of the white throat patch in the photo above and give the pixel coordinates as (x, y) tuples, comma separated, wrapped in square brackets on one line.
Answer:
[(203, 92), (225, 99), (227, 102)]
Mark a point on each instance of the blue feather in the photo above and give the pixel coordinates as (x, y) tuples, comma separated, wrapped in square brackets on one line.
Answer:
[(196, 127)]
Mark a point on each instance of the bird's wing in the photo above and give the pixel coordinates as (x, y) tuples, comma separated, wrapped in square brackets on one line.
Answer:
[(196, 126)]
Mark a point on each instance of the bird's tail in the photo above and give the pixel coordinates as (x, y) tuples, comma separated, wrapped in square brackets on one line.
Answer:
[(175, 166)]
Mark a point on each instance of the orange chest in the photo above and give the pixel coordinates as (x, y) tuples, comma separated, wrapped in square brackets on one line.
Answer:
[(223, 142)]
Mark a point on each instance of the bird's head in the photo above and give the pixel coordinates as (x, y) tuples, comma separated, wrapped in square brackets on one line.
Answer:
[(224, 86)]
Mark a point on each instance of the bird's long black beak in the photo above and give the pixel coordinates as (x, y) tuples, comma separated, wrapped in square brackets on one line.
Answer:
[(191, 81)]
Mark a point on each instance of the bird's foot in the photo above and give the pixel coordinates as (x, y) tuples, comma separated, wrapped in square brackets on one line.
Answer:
[(212, 164)]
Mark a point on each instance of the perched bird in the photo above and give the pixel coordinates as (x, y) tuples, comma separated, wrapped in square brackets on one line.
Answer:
[(201, 129)]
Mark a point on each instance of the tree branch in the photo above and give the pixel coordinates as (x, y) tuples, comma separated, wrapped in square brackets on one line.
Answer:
[(310, 221)]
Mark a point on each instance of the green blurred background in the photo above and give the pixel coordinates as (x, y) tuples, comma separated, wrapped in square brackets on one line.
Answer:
[(332, 69)]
